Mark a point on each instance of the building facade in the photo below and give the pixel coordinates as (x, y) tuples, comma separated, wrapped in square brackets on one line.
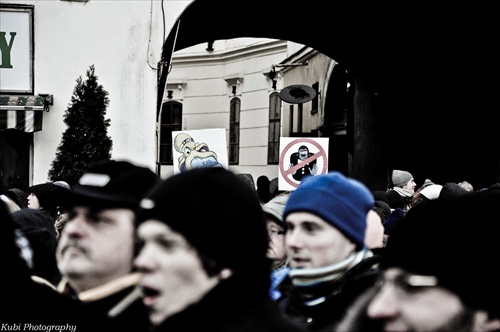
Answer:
[(232, 84), (47, 45), (236, 84)]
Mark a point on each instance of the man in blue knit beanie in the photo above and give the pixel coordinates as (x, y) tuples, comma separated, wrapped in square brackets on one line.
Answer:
[(330, 263)]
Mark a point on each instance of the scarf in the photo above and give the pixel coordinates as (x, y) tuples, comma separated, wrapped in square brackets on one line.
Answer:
[(403, 192), (313, 284)]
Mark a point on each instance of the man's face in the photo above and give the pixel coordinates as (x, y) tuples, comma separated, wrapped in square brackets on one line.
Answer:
[(311, 242), (96, 246), (172, 273), (410, 186), (407, 302), (276, 250), (33, 202), (374, 236)]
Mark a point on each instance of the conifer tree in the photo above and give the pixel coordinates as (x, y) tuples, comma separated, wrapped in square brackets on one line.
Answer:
[(86, 139)]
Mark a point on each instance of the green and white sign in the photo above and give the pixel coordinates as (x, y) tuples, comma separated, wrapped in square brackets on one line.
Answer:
[(16, 50)]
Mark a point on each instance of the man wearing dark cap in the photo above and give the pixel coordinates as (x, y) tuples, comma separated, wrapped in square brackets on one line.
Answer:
[(203, 257), (440, 271), (96, 248), (30, 303)]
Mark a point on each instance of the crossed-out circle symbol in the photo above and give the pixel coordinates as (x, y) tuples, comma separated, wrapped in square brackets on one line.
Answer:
[(286, 173)]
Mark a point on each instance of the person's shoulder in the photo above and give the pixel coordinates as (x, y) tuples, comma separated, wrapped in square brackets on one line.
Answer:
[(380, 195), (368, 267), (395, 200), (269, 317), (361, 276), (37, 303)]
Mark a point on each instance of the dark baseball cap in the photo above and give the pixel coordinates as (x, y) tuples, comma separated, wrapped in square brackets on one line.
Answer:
[(113, 184)]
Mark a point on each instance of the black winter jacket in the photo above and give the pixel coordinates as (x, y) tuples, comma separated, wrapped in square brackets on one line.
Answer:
[(237, 304), (340, 295)]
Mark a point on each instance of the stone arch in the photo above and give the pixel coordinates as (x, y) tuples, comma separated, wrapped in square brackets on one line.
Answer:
[(423, 77)]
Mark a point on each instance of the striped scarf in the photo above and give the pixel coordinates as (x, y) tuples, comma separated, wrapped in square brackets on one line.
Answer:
[(312, 283), (403, 192)]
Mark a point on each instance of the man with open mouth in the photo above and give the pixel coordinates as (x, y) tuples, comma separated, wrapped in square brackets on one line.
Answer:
[(204, 241)]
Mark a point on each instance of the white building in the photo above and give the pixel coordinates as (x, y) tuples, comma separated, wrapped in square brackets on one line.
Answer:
[(123, 40), (58, 41), (209, 81)]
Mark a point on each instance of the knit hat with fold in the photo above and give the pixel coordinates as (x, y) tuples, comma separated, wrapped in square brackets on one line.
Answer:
[(341, 201), (275, 207), (217, 213), (400, 178)]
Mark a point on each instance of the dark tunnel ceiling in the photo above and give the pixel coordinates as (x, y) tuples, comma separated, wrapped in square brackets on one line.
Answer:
[(380, 42)]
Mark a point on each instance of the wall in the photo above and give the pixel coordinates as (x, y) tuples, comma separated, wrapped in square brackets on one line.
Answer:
[(123, 39), (316, 70)]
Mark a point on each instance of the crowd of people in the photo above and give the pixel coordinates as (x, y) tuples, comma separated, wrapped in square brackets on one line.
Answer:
[(204, 251)]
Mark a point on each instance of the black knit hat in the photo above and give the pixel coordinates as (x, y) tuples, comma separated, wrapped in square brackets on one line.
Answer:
[(113, 184), (456, 241), (38, 227), (216, 212), (452, 190), (18, 196), (49, 195), (382, 208)]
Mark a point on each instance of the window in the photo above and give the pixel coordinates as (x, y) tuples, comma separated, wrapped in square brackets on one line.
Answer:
[(171, 120), (315, 101), (273, 147), (234, 131)]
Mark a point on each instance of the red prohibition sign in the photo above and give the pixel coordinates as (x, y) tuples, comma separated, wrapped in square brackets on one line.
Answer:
[(321, 153)]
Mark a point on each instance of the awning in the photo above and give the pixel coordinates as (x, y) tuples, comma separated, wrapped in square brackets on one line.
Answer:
[(24, 113)]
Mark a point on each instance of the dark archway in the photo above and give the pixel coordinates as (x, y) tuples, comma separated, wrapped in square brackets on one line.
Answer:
[(425, 77)]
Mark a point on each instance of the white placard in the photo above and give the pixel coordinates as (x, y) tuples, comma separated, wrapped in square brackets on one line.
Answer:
[(300, 157), (16, 51), (199, 148)]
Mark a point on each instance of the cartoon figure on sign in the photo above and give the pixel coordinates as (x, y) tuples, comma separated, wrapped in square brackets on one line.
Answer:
[(194, 154), (307, 169)]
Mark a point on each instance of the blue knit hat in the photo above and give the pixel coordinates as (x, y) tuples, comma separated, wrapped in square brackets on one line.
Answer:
[(343, 202)]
